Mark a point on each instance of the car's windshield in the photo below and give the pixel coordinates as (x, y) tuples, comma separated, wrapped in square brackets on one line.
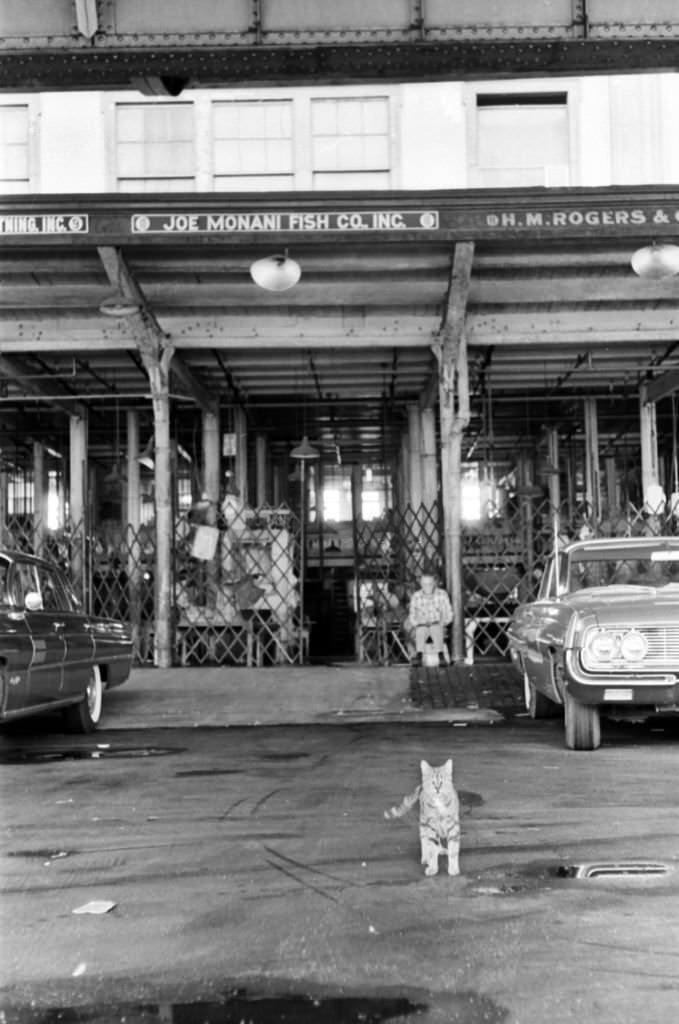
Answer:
[(587, 570)]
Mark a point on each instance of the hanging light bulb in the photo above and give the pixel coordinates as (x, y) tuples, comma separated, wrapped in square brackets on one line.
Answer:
[(655, 262), (276, 273)]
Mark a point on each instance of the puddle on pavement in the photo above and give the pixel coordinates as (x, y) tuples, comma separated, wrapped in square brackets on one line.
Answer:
[(283, 757), (238, 1009), (98, 753), (193, 772), (470, 800)]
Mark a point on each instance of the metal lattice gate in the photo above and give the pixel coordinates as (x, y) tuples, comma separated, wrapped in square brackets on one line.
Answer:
[(390, 554)]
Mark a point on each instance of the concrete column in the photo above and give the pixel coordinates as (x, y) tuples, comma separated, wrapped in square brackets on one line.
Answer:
[(261, 469), (241, 467), (429, 460), (415, 456), (39, 496), (211, 454), (404, 475), (611, 486), (133, 503), (77, 491), (650, 474), (592, 469), (553, 480), (4, 511)]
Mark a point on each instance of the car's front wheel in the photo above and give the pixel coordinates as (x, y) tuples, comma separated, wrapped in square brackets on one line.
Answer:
[(85, 716), (583, 724)]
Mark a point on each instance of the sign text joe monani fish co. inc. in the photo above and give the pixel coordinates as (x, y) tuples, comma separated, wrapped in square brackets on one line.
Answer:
[(307, 221)]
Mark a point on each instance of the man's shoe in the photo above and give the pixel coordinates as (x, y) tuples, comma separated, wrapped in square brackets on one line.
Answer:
[(416, 661), (443, 661)]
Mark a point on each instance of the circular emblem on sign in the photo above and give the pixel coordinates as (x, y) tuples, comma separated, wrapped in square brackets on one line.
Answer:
[(75, 223), (428, 220), (141, 223)]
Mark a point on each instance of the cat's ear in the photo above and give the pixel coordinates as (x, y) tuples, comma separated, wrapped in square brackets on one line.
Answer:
[(426, 768), (448, 767)]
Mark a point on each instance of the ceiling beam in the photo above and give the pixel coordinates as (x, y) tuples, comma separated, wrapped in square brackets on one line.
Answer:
[(122, 279), (662, 386), (17, 371)]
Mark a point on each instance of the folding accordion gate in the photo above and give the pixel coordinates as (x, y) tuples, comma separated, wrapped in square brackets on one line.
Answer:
[(237, 586)]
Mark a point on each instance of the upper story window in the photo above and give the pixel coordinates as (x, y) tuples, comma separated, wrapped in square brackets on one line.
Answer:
[(253, 145), (155, 147), (522, 139), (14, 149), (350, 143)]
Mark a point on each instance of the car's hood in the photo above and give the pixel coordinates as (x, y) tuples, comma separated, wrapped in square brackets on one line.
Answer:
[(643, 602)]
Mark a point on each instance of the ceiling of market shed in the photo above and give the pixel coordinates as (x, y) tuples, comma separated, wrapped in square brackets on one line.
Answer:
[(342, 354)]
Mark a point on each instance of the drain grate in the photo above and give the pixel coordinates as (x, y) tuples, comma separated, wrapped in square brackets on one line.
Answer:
[(615, 869)]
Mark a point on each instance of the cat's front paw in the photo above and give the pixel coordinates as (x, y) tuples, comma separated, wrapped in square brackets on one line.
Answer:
[(453, 869), (431, 869), (389, 814)]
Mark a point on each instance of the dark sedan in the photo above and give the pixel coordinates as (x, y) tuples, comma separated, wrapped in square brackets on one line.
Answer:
[(53, 656)]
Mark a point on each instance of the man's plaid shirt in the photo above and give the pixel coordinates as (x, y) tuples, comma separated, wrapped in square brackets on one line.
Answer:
[(428, 608)]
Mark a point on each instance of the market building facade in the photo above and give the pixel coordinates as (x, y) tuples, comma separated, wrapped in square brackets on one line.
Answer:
[(476, 366)]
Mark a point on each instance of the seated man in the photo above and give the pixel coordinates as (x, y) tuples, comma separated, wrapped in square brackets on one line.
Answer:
[(429, 613)]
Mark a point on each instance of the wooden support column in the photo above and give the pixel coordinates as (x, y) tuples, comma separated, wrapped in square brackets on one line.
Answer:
[(241, 465), (451, 353), (592, 469), (261, 469), (650, 474), (158, 356), (429, 460), (414, 456), (211, 462)]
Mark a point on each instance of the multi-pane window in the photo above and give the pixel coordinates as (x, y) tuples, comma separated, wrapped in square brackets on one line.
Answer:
[(253, 145), (522, 139), (14, 149), (155, 147), (350, 143)]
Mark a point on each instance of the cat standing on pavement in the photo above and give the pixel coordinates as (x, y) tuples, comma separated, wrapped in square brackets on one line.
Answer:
[(439, 816)]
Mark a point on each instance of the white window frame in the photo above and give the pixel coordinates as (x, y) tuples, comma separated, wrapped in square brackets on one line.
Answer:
[(292, 103), (125, 99), (32, 104), (568, 88), (354, 96)]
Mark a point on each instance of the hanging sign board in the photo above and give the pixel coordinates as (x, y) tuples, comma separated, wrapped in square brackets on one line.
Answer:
[(45, 224)]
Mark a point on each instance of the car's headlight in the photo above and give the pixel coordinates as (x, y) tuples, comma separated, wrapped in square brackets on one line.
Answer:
[(633, 646), (611, 646)]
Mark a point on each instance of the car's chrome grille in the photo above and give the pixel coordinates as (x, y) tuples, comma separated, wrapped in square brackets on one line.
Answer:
[(663, 644)]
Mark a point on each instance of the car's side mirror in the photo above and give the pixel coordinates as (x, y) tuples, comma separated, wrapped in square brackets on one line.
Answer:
[(33, 601)]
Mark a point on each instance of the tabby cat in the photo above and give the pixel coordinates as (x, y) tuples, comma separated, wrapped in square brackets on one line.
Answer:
[(439, 816)]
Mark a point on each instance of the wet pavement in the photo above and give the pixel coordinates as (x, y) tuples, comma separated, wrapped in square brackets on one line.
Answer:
[(246, 873)]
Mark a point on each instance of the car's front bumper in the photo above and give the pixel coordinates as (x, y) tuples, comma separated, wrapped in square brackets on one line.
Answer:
[(659, 689)]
